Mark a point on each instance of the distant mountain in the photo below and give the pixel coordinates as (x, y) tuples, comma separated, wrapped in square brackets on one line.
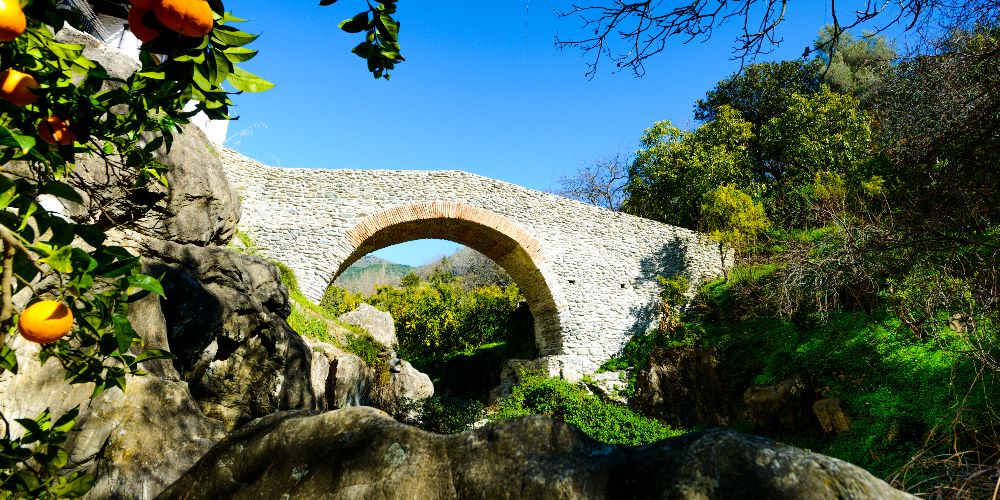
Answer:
[(368, 272), (474, 268)]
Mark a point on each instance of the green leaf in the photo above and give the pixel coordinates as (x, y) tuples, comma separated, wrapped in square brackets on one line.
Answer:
[(152, 354), (148, 283), (66, 421), (228, 17), (153, 145), (8, 197), (155, 75), (14, 140), (356, 24), (61, 190), (246, 81), (232, 37), (391, 27), (239, 54), (124, 333), (60, 260), (76, 487), (8, 361)]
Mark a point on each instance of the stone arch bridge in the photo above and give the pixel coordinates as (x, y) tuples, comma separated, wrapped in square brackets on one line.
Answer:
[(588, 274)]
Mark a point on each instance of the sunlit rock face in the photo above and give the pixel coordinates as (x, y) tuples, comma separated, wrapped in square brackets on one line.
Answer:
[(588, 274), (363, 453)]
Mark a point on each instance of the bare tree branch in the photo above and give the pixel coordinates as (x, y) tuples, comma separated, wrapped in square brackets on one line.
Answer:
[(600, 183), (628, 32)]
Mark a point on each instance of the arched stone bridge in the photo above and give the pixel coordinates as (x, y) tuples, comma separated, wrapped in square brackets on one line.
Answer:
[(588, 274)]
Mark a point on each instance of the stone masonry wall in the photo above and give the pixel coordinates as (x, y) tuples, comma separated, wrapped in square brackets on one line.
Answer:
[(589, 274)]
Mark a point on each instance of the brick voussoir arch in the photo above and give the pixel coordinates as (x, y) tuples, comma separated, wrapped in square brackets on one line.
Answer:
[(492, 234)]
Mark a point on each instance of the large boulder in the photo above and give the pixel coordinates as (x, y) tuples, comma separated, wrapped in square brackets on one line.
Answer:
[(682, 386), (363, 453), (782, 405), (139, 440), (378, 323), (198, 204), (225, 314), (340, 379)]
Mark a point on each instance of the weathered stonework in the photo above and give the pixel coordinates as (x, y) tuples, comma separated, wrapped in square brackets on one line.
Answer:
[(588, 274)]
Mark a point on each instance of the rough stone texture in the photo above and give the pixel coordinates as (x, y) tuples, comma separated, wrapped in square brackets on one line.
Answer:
[(136, 442), (682, 386), (378, 323), (832, 416), (199, 206), (340, 379), (362, 453), (141, 440), (782, 405), (588, 274), (225, 315), (609, 386)]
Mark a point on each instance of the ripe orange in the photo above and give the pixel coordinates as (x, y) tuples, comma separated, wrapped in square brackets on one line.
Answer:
[(187, 17), (55, 131), (146, 5), (140, 29), (12, 20), (15, 87), (45, 321)]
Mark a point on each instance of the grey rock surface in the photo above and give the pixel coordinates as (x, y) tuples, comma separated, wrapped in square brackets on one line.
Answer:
[(225, 315), (340, 379), (136, 442), (376, 322), (198, 205), (785, 404), (683, 387), (363, 453)]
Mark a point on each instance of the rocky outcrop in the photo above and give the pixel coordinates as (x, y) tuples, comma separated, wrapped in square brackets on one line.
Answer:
[(225, 314), (198, 204), (832, 416), (362, 453), (378, 323), (682, 386), (783, 405), (137, 441), (340, 379)]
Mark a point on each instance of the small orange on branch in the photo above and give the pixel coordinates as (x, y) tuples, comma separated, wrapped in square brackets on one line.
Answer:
[(16, 86), (12, 20), (54, 130), (45, 321), (138, 26), (187, 17)]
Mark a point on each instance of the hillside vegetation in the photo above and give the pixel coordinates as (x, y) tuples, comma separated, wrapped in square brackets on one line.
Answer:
[(860, 192)]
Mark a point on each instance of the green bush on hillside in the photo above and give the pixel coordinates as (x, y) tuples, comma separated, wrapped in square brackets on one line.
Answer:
[(603, 421)]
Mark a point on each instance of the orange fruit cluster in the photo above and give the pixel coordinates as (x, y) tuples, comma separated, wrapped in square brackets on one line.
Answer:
[(187, 17), (45, 321), (12, 20)]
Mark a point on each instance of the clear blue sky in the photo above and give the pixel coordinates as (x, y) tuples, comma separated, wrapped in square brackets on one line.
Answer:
[(483, 90)]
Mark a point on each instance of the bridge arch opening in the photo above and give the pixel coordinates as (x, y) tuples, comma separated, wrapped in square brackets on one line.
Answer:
[(491, 234)]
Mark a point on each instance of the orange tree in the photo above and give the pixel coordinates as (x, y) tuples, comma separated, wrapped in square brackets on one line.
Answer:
[(56, 105)]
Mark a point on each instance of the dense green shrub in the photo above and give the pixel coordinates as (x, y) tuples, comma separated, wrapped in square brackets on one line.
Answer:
[(443, 415), (338, 301), (604, 421), (439, 317), (902, 392), (472, 373), (287, 276)]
